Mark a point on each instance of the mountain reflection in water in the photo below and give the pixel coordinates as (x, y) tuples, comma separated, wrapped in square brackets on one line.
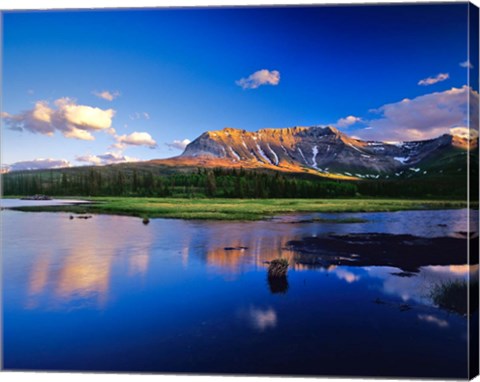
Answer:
[(79, 269)]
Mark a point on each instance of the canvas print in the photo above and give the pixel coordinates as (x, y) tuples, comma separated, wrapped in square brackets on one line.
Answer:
[(282, 190)]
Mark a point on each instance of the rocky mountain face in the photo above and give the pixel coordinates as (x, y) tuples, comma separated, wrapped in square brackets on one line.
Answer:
[(322, 150)]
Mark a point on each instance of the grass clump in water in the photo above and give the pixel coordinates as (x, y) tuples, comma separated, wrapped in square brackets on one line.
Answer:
[(277, 276), (453, 296), (278, 268)]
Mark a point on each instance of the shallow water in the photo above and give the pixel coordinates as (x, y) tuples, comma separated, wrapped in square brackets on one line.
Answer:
[(9, 203), (110, 293)]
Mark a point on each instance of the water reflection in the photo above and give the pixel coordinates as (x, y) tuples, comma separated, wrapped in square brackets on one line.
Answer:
[(407, 287), (39, 275), (10, 203), (161, 297), (79, 270), (243, 245), (233, 255), (456, 270), (262, 319), (227, 259), (417, 287), (38, 279), (348, 276), (432, 319), (278, 284), (138, 263), (85, 275)]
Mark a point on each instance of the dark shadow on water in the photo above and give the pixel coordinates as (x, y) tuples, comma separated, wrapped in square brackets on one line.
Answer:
[(407, 252)]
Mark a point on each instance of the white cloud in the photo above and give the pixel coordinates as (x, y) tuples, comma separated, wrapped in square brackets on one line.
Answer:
[(83, 117), (142, 115), (135, 139), (72, 120), (107, 95), (466, 64), (259, 78), (177, 144), (37, 120), (37, 164), (347, 121), (464, 132), (433, 80), (424, 117), (107, 158), (78, 134)]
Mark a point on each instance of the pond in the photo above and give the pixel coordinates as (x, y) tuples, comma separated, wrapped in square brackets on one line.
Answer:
[(112, 294)]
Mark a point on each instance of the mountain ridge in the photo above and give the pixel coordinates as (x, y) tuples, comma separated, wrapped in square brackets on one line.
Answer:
[(324, 151)]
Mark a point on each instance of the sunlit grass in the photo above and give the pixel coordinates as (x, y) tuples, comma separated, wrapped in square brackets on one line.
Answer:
[(240, 209)]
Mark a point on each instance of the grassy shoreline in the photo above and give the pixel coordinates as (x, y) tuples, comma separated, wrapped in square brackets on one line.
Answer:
[(237, 209)]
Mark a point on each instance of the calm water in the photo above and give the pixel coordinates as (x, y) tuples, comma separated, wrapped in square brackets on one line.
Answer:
[(110, 293), (8, 203)]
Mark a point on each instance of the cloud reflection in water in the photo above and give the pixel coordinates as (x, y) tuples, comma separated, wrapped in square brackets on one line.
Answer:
[(430, 318), (78, 271), (262, 319)]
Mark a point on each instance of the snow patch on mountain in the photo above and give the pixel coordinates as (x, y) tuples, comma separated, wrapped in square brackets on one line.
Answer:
[(234, 153), (262, 153), (402, 160), (355, 148), (314, 157), (274, 155), (303, 156)]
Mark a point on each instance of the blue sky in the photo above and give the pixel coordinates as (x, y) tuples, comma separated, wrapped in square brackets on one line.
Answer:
[(172, 74)]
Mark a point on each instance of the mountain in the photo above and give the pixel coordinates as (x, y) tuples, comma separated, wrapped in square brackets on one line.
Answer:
[(295, 162), (324, 151)]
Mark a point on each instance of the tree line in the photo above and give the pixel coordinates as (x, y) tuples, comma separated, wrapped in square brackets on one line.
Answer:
[(226, 183), (219, 182)]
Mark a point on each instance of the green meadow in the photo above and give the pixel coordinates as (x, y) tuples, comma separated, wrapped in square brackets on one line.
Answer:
[(238, 209)]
